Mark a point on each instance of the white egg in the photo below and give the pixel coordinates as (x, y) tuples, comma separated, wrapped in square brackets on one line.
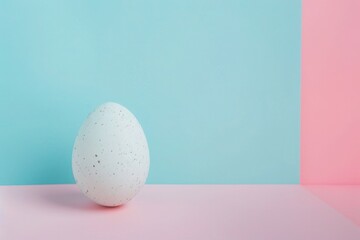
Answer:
[(110, 160)]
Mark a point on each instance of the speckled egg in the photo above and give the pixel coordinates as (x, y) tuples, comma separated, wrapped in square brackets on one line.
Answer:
[(110, 160)]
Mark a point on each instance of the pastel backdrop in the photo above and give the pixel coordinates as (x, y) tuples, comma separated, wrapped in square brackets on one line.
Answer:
[(330, 94), (216, 85)]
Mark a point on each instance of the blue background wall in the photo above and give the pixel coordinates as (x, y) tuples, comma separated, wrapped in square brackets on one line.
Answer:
[(215, 85)]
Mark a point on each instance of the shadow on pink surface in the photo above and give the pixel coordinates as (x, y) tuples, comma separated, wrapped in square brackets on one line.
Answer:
[(72, 198), (344, 199), (62, 197)]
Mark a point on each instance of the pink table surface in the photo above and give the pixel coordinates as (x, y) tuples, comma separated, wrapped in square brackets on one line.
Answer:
[(184, 212)]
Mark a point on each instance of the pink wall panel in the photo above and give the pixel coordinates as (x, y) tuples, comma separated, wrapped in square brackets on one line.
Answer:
[(330, 121)]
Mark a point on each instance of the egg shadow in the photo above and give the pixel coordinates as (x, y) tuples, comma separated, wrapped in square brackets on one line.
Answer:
[(68, 196)]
